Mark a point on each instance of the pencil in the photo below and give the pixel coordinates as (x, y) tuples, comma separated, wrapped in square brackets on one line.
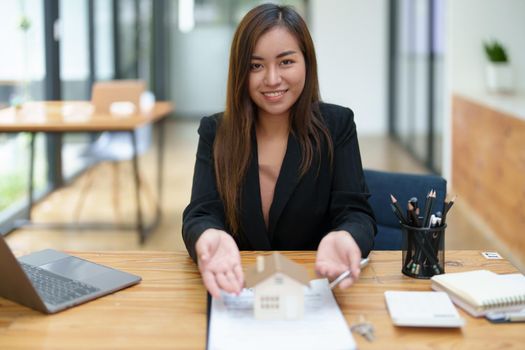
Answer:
[(428, 207), (446, 208), (397, 210)]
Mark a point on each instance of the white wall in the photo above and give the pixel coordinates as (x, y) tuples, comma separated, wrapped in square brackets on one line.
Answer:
[(473, 21), (351, 42), (200, 70), (469, 23)]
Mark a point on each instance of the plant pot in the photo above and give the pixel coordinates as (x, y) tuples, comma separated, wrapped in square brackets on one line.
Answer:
[(500, 77)]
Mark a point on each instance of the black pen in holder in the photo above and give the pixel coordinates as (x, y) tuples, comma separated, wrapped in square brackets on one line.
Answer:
[(423, 251)]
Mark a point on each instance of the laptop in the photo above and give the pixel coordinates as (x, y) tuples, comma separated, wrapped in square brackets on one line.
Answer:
[(50, 281)]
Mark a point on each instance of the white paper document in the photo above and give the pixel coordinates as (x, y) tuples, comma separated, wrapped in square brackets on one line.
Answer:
[(422, 309), (233, 326)]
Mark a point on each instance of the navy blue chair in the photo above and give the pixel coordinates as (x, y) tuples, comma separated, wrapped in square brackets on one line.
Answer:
[(403, 186)]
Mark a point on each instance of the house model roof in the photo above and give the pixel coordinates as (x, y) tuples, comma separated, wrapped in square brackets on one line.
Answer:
[(268, 265)]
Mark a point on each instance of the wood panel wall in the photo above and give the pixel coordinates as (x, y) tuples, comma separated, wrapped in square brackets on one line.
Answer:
[(488, 168)]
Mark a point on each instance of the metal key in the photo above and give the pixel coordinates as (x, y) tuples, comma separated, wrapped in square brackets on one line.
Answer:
[(364, 328)]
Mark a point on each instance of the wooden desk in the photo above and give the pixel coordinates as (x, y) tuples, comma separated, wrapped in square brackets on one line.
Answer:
[(66, 116), (168, 308), (74, 116)]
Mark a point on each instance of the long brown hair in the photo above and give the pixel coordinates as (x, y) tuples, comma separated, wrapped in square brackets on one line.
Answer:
[(232, 147)]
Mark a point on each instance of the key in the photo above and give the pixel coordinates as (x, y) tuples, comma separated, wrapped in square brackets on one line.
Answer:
[(364, 328), (368, 333)]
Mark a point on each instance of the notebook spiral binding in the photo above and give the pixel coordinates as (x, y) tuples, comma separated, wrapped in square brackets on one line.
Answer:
[(504, 302)]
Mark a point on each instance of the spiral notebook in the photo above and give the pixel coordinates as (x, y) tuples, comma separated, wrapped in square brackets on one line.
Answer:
[(482, 291)]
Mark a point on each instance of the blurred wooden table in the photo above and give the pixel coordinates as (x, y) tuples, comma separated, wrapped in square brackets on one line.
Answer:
[(74, 116), (59, 117), (168, 308)]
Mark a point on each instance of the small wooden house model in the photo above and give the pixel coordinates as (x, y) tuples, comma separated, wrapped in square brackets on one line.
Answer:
[(278, 285)]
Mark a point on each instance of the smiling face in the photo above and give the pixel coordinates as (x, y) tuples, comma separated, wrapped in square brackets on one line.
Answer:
[(277, 73)]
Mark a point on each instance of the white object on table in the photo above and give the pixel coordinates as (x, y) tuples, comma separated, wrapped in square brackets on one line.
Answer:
[(422, 309), (233, 325)]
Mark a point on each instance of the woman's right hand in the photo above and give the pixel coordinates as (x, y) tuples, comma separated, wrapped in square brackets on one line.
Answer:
[(219, 262)]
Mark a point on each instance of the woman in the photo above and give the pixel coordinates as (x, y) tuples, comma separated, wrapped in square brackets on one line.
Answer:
[(278, 170)]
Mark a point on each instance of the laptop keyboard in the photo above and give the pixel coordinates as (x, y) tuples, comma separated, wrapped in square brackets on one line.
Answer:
[(55, 289)]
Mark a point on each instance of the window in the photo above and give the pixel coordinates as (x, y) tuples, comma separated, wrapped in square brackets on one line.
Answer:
[(416, 73), (270, 302), (22, 72)]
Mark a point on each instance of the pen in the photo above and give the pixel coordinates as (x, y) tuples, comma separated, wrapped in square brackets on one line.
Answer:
[(334, 283), (428, 207), (438, 218), (433, 221), (511, 316), (413, 201), (412, 216), (515, 317)]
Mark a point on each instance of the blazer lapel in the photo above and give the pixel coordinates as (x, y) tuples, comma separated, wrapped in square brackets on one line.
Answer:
[(252, 220), (286, 182)]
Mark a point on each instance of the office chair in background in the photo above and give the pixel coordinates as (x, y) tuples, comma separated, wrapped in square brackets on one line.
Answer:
[(114, 147), (403, 186)]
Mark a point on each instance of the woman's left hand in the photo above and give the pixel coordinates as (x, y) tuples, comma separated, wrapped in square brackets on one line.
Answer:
[(337, 253)]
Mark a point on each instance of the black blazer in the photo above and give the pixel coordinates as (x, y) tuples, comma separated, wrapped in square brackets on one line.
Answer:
[(304, 209)]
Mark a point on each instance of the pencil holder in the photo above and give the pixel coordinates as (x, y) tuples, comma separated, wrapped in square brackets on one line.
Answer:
[(423, 251)]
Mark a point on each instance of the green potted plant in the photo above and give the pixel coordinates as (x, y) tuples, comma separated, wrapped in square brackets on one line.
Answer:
[(499, 71)]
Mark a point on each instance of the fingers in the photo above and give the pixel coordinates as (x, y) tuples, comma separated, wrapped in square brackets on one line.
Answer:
[(333, 273), (203, 250), (237, 270), (234, 283), (336, 254), (208, 243), (330, 268), (219, 276), (223, 282), (232, 280), (211, 284), (219, 263), (354, 261), (323, 269), (347, 282), (353, 257), (204, 257), (228, 282)]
